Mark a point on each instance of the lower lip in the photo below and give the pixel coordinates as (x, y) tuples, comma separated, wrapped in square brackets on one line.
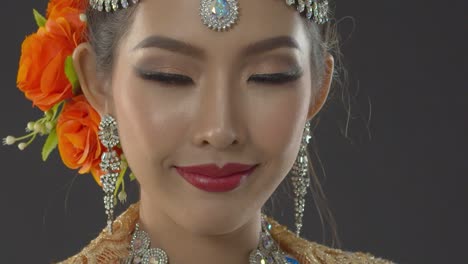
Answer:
[(221, 184)]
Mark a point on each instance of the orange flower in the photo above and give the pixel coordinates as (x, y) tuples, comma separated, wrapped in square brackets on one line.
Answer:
[(41, 74), (78, 140), (70, 10), (56, 8)]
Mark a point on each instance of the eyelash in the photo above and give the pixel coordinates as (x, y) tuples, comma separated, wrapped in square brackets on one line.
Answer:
[(182, 80), (277, 78)]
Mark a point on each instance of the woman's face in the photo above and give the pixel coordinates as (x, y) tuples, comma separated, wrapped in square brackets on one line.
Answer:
[(216, 110)]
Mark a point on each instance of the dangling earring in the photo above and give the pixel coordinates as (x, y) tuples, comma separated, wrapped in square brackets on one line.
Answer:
[(110, 164), (300, 179)]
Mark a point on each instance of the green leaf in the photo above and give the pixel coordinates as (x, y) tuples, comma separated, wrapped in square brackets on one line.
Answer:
[(40, 20), (120, 179), (50, 144), (71, 74), (56, 110)]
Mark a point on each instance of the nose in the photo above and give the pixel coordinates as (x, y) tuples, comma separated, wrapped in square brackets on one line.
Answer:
[(218, 119)]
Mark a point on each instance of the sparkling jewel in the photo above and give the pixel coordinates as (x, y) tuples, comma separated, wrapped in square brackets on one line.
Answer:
[(219, 14), (110, 5), (110, 164), (300, 179), (267, 243), (110, 161), (124, 3), (108, 132), (114, 4), (300, 6), (267, 251), (219, 8), (138, 243), (222, 14), (291, 260), (316, 10)]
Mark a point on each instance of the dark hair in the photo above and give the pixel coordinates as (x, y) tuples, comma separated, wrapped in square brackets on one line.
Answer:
[(106, 29)]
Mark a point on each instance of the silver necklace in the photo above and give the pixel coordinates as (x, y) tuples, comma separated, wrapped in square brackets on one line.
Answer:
[(267, 251)]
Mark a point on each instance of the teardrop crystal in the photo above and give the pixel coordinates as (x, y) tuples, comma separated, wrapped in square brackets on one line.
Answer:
[(219, 8)]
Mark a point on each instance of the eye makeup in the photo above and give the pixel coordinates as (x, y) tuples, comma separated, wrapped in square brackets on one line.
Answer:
[(182, 80), (164, 77), (277, 78)]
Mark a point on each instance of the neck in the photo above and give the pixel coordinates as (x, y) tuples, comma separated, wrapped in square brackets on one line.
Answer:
[(183, 246)]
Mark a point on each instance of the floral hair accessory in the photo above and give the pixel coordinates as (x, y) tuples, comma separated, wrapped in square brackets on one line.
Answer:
[(47, 77)]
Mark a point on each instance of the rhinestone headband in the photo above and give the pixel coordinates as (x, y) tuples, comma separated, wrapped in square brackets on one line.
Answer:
[(222, 14), (110, 5), (316, 10)]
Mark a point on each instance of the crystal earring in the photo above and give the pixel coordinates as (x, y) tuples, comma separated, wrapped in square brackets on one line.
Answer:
[(110, 164), (300, 179)]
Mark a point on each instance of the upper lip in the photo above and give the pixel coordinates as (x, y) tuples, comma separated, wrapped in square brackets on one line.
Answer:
[(212, 170)]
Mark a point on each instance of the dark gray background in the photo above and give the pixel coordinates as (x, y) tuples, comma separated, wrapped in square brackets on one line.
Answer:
[(397, 186)]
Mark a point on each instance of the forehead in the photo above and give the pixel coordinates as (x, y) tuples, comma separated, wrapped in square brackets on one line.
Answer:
[(181, 20)]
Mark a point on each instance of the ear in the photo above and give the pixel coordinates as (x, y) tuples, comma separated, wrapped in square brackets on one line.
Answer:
[(318, 98), (92, 85)]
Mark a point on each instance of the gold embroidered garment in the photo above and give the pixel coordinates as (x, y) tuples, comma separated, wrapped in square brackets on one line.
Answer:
[(112, 248)]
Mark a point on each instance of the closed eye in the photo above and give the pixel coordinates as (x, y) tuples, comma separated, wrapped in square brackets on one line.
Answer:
[(167, 78), (276, 78), (182, 80)]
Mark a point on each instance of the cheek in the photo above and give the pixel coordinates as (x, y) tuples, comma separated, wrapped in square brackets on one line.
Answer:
[(150, 126), (278, 121), (276, 129)]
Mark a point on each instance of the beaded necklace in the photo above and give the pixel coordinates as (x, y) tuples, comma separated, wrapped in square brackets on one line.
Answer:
[(267, 251)]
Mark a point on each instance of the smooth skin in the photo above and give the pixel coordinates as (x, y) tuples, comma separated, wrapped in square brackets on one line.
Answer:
[(220, 113)]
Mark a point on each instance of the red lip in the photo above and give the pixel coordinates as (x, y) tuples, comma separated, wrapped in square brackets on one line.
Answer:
[(213, 179)]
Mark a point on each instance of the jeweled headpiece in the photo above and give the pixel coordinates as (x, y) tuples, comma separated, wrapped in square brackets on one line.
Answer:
[(316, 10), (110, 5), (222, 14), (219, 14)]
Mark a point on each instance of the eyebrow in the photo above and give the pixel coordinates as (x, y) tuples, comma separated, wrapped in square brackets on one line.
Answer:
[(188, 49)]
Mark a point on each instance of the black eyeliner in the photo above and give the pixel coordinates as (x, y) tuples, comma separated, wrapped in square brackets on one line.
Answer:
[(164, 77), (177, 79), (278, 78)]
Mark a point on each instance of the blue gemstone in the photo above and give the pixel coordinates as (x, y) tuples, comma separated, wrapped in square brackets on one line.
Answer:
[(220, 8), (291, 260), (270, 260)]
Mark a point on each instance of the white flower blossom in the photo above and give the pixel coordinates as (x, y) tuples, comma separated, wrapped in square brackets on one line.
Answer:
[(122, 196), (30, 127), (38, 127), (49, 126), (22, 146), (10, 140), (83, 17)]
